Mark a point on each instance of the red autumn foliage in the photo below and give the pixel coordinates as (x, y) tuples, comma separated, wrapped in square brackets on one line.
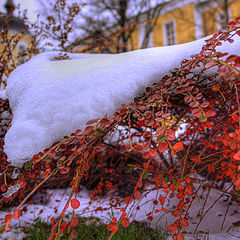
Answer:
[(209, 107)]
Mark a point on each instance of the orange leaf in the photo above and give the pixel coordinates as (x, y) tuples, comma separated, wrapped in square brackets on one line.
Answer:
[(184, 222), (178, 146), (176, 213), (75, 203), (172, 228), (125, 222), (137, 195)]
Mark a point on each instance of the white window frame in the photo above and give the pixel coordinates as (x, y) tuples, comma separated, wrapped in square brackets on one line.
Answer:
[(142, 32), (22, 44), (165, 37)]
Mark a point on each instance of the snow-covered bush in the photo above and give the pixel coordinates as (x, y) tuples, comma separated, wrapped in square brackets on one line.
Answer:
[(201, 96)]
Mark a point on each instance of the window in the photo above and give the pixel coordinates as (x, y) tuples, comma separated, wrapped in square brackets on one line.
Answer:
[(145, 35), (169, 33), (22, 52)]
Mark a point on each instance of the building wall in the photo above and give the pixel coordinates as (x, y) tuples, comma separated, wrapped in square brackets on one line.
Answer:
[(184, 25), (210, 17), (187, 22)]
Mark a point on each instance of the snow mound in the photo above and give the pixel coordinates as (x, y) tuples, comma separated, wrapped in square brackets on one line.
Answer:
[(52, 98)]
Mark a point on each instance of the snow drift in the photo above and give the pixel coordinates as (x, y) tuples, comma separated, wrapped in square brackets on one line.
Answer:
[(52, 98)]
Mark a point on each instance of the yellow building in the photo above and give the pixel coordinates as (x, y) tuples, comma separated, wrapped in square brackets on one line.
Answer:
[(16, 30), (185, 21)]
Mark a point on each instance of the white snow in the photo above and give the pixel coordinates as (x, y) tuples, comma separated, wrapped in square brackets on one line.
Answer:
[(51, 99), (3, 94)]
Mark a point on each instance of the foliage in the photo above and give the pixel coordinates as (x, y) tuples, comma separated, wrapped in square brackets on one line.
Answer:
[(203, 93), (92, 228)]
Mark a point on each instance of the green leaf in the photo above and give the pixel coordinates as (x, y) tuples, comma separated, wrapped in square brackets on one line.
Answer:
[(203, 119), (161, 138), (27, 165), (129, 169), (99, 131), (145, 175)]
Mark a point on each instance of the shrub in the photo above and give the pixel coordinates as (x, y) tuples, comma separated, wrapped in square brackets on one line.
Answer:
[(202, 96)]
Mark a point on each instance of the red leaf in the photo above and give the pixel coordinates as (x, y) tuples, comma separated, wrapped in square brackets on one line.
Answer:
[(104, 121), (235, 117), (47, 172), (179, 236), (210, 64), (74, 234), (232, 24), (138, 148), (171, 134), (22, 183), (75, 203), (204, 104), (64, 170), (92, 121), (137, 195), (7, 228), (125, 222), (128, 200), (112, 227), (196, 159), (172, 228), (4, 188), (197, 112), (63, 226), (16, 214), (178, 146), (176, 213), (184, 222), (162, 147), (158, 179), (86, 166), (153, 153), (147, 134), (74, 222), (8, 218), (210, 113), (145, 155), (236, 156), (187, 99)]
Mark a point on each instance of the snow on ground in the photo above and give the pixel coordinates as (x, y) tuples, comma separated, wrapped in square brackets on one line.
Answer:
[(51, 99), (212, 221)]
